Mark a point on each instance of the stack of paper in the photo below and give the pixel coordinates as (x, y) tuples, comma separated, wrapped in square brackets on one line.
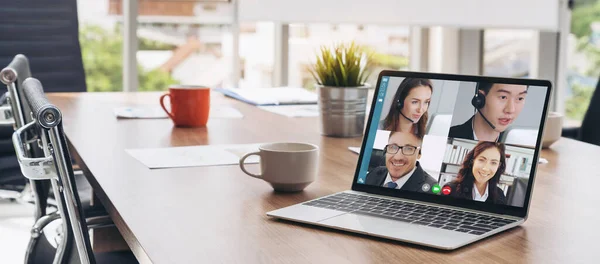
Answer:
[(271, 96)]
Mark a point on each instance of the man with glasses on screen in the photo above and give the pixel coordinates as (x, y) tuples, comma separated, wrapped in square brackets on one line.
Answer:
[(402, 170)]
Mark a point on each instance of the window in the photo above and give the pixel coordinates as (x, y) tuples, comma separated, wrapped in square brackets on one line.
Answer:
[(191, 42), (508, 53), (101, 43), (257, 54), (583, 59), (389, 45)]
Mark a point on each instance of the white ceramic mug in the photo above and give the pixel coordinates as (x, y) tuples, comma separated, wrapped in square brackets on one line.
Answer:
[(553, 129), (288, 167)]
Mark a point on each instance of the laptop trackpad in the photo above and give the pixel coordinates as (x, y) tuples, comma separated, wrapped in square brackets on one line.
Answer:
[(304, 213), (399, 230)]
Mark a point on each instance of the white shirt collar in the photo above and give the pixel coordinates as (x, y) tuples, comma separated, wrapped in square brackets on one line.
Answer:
[(400, 181), (473, 128), (477, 196)]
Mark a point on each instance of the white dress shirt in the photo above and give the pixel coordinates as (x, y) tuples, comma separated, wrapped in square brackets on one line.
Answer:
[(477, 196), (401, 181), (473, 128)]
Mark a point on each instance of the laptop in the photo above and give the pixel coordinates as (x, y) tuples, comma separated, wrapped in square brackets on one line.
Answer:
[(438, 166)]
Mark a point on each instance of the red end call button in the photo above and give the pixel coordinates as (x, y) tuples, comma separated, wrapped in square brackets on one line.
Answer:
[(446, 190)]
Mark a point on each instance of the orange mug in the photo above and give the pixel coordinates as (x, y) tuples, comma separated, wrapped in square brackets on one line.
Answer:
[(190, 105)]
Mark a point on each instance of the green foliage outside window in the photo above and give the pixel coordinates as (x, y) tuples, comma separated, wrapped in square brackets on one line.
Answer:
[(102, 60), (578, 104), (585, 13)]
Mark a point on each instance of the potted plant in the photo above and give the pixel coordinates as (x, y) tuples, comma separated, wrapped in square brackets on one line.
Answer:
[(341, 72)]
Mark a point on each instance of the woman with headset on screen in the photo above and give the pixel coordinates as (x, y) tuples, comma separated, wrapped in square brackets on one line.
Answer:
[(479, 174), (408, 112)]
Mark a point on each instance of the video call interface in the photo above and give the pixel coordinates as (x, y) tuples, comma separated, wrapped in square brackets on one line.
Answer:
[(466, 140)]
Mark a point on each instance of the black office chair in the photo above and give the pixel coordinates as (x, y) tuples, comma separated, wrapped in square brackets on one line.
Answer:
[(48, 32), (56, 166), (12, 76), (590, 127)]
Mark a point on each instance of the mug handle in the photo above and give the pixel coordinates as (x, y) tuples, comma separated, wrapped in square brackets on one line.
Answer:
[(162, 103), (258, 176)]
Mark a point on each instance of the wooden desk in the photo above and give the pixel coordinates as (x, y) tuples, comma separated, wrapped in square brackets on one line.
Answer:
[(217, 214)]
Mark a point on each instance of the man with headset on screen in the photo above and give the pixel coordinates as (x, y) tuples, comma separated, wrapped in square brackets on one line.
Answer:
[(497, 105), (402, 170)]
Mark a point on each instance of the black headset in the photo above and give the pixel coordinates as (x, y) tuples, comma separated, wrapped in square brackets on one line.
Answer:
[(478, 100), (400, 100), (399, 104)]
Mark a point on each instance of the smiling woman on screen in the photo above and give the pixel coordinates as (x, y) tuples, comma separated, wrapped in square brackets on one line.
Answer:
[(480, 173), (408, 112)]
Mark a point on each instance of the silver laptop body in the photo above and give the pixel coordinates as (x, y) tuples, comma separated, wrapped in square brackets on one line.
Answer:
[(433, 216)]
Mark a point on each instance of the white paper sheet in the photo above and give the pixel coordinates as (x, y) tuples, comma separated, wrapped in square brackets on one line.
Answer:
[(139, 112), (293, 110), (151, 112), (272, 96), (194, 156), (355, 149)]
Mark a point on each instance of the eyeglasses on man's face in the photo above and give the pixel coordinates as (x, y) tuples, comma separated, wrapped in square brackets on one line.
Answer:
[(407, 150)]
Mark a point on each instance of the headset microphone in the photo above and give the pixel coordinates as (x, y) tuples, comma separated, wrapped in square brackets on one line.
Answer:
[(487, 121), (399, 106), (408, 118)]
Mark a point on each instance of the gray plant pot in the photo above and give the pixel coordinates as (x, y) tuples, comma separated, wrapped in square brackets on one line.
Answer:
[(342, 110)]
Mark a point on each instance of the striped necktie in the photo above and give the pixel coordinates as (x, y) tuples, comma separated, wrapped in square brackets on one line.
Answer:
[(392, 185)]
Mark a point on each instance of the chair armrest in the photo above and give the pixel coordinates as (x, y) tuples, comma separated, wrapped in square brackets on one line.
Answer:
[(571, 132)]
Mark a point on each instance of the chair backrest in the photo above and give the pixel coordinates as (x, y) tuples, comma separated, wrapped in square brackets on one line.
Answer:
[(48, 32), (13, 76), (590, 128), (48, 118)]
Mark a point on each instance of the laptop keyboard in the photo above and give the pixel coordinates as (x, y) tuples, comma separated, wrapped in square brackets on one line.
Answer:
[(420, 214)]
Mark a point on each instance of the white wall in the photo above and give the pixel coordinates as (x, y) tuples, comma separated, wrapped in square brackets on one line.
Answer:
[(533, 14)]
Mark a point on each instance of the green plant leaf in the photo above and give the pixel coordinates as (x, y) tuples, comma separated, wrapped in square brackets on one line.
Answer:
[(341, 65)]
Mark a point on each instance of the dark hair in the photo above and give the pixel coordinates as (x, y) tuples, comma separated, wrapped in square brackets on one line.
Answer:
[(465, 174), (391, 120), (485, 87)]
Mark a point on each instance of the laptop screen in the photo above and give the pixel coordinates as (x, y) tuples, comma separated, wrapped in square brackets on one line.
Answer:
[(456, 139)]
